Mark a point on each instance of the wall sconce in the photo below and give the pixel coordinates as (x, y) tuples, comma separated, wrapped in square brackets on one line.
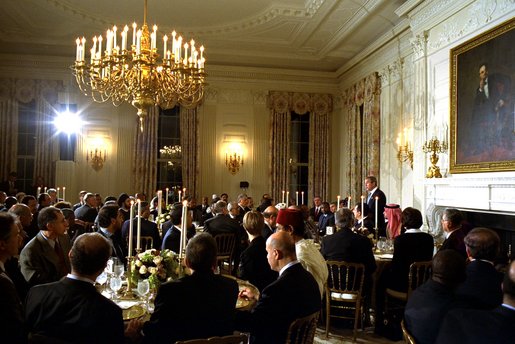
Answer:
[(97, 154), (404, 150), (434, 146), (233, 161)]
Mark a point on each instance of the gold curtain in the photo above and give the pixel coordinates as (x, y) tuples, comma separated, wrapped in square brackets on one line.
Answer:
[(46, 105), (361, 108), (145, 157), (8, 128), (319, 107), (190, 148), (23, 91)]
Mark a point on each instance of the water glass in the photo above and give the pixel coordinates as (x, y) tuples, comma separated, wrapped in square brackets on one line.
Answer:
[(143, 290), (118, 270), (115, 284), (381, 244)]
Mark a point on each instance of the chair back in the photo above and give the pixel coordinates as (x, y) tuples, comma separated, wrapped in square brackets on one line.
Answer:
[(225, 244), (419, 273), (231, 339), (408, 338), (146, 243), (345, 278), (302, 330)]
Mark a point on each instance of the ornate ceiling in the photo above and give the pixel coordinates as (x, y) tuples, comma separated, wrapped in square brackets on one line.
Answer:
[(310, 35)]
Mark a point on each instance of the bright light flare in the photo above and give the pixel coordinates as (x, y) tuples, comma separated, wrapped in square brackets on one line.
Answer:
[(68, 122)]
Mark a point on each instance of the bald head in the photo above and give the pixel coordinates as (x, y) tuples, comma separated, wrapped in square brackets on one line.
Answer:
[(282, 248), (89, 255), (23, 212), (270, 215)]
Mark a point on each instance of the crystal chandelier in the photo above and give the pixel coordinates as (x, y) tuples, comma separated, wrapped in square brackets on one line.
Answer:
[(137, 74)]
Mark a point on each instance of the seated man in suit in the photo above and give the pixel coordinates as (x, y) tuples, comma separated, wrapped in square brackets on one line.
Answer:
[(11, 325), (88, 211), (72, 309), (454, 233), (430, 302), (482, 287), (148, 228), (45, 258), (483, 326), (293, 295), (364, 222), (326, 219), (172, 229), (198, 306), (109, 222)]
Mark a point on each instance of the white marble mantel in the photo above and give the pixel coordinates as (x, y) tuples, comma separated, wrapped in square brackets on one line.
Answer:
[(493, 193)]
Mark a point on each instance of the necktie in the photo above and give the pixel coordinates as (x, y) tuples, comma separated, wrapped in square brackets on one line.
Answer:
[(63, 269), (369, 197)]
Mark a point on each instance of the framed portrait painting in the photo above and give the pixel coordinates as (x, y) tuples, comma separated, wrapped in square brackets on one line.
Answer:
[(483, 102)]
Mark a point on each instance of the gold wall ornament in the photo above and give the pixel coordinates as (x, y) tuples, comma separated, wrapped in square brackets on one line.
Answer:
[(233, 161), (434, 146), (137, 74), (96, 158), (404, 146)]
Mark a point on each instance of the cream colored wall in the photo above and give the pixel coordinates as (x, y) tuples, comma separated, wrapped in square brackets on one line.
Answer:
[(413, 61)]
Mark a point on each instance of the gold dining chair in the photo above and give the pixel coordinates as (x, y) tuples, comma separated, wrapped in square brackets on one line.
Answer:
[(225, 244), (408, 338), (231, 339), (344, 292), (302, 330), (419, 272)]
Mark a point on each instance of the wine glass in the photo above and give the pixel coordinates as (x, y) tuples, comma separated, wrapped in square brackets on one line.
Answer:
[(118, 270), (115, 284), (143, 290), (381, 244)]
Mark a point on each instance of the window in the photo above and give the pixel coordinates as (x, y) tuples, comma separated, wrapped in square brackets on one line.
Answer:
[(299, 155), (169, 160), (26, 144)]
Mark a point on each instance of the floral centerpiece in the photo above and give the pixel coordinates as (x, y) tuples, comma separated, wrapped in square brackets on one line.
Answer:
[(156, 266), (164, 216)]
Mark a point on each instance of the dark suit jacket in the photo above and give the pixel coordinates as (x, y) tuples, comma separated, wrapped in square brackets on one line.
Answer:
[(368, 223), (293, 295), (118, 246), (221, 224), (4, 186), (266, 231), (148, 228), (40, 264), (324, 221), (198, 306), (75, 311), (314, 215), (425, 310), (478, 326), (12, 328), (455, 242), (408, 248), (381, 202), (482, 287), (86, 213), (350, 247), (254, 265), (172, 238)]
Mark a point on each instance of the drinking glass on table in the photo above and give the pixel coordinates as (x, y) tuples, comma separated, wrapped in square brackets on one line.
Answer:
[(381, 244), (115, 284), (143, 290), (118, 268)]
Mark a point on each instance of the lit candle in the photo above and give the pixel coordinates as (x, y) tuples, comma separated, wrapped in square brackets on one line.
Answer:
[(134, 26), (287, 198), (166, 198), (165, 40), (297, 198), (138, 42), (124, 37), (180, 200), (159, 202), (77, 54), (184, 191), (337, 202), (349, 203), (138, 235), (183, 228), (302, 193), (64, 193), (282, 199), (57, 196), (377, 207), (44, 190), (131, 227), (99, 47), (114, 36), (362, 201), (38, 192)]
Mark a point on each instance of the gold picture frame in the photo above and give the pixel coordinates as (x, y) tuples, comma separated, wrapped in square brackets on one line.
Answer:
[(483, 102)]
